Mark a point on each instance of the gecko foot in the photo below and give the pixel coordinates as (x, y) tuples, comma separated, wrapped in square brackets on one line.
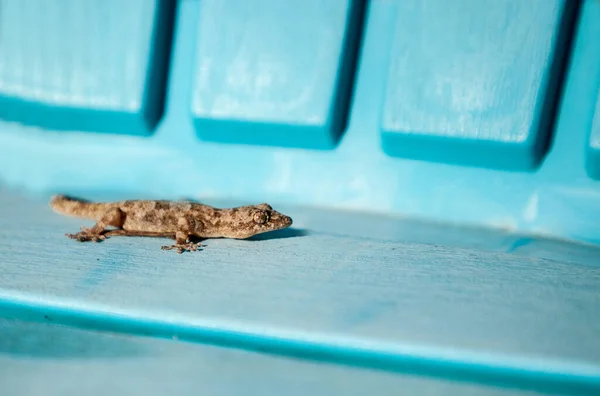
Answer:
[(183, 247), (86, 236)]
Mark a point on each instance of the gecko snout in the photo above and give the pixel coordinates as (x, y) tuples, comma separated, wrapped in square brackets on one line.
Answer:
[(287, 220), (281, 221)]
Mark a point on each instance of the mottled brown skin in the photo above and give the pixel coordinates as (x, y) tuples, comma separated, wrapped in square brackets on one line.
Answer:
[(177, 220)]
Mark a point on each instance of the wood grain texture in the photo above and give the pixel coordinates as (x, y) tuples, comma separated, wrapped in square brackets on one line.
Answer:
[(48, 359), (421, 299)]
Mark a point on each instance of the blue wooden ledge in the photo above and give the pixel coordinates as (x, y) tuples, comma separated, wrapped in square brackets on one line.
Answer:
[(63, 360), (447, 302)]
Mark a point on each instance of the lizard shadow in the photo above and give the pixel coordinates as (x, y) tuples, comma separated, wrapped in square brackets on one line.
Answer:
[(280, 234)]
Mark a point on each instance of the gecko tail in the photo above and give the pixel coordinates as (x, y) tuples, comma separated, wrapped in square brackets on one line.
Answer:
[(71, 206)]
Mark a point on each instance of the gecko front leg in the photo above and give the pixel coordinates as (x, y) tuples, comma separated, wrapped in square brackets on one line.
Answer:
[(186, 227), (113, 217)]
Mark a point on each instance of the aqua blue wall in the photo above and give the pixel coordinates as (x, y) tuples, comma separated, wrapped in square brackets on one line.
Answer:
[(471, 112)]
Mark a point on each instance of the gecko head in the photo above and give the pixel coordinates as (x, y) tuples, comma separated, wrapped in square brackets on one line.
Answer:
[(247, 221)]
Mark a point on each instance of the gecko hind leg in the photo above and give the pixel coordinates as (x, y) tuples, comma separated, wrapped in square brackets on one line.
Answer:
[(113, 217), (182, 244), (183, 236)]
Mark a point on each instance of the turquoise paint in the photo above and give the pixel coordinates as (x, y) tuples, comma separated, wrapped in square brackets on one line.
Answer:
[(559, 199), (593, 153), (249, 87), (365, 291), (519, 244), (387, 273), (475, 83), (591, 23), (546, 377), (62, 360), (85, 66)]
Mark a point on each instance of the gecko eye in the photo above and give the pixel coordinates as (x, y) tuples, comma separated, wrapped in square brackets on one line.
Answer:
[(260, 217)]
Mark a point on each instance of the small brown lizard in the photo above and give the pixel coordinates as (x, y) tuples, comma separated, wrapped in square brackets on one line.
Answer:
[(171, 219)]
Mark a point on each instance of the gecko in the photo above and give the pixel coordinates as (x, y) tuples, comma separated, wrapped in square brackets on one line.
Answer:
[(178, 220)]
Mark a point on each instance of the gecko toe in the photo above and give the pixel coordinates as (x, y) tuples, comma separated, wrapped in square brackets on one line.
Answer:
[(85, 237), (183, 247)]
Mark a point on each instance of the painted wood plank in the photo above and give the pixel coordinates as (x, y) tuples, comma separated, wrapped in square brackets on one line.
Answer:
[(475, 83), (559, 200), (49, 359), (386, 299), (274, 74), (71, 65)]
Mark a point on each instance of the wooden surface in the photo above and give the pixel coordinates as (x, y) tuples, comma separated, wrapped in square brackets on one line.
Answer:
[(49, 359), (343, 302), (450, 310), (559, 199)]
